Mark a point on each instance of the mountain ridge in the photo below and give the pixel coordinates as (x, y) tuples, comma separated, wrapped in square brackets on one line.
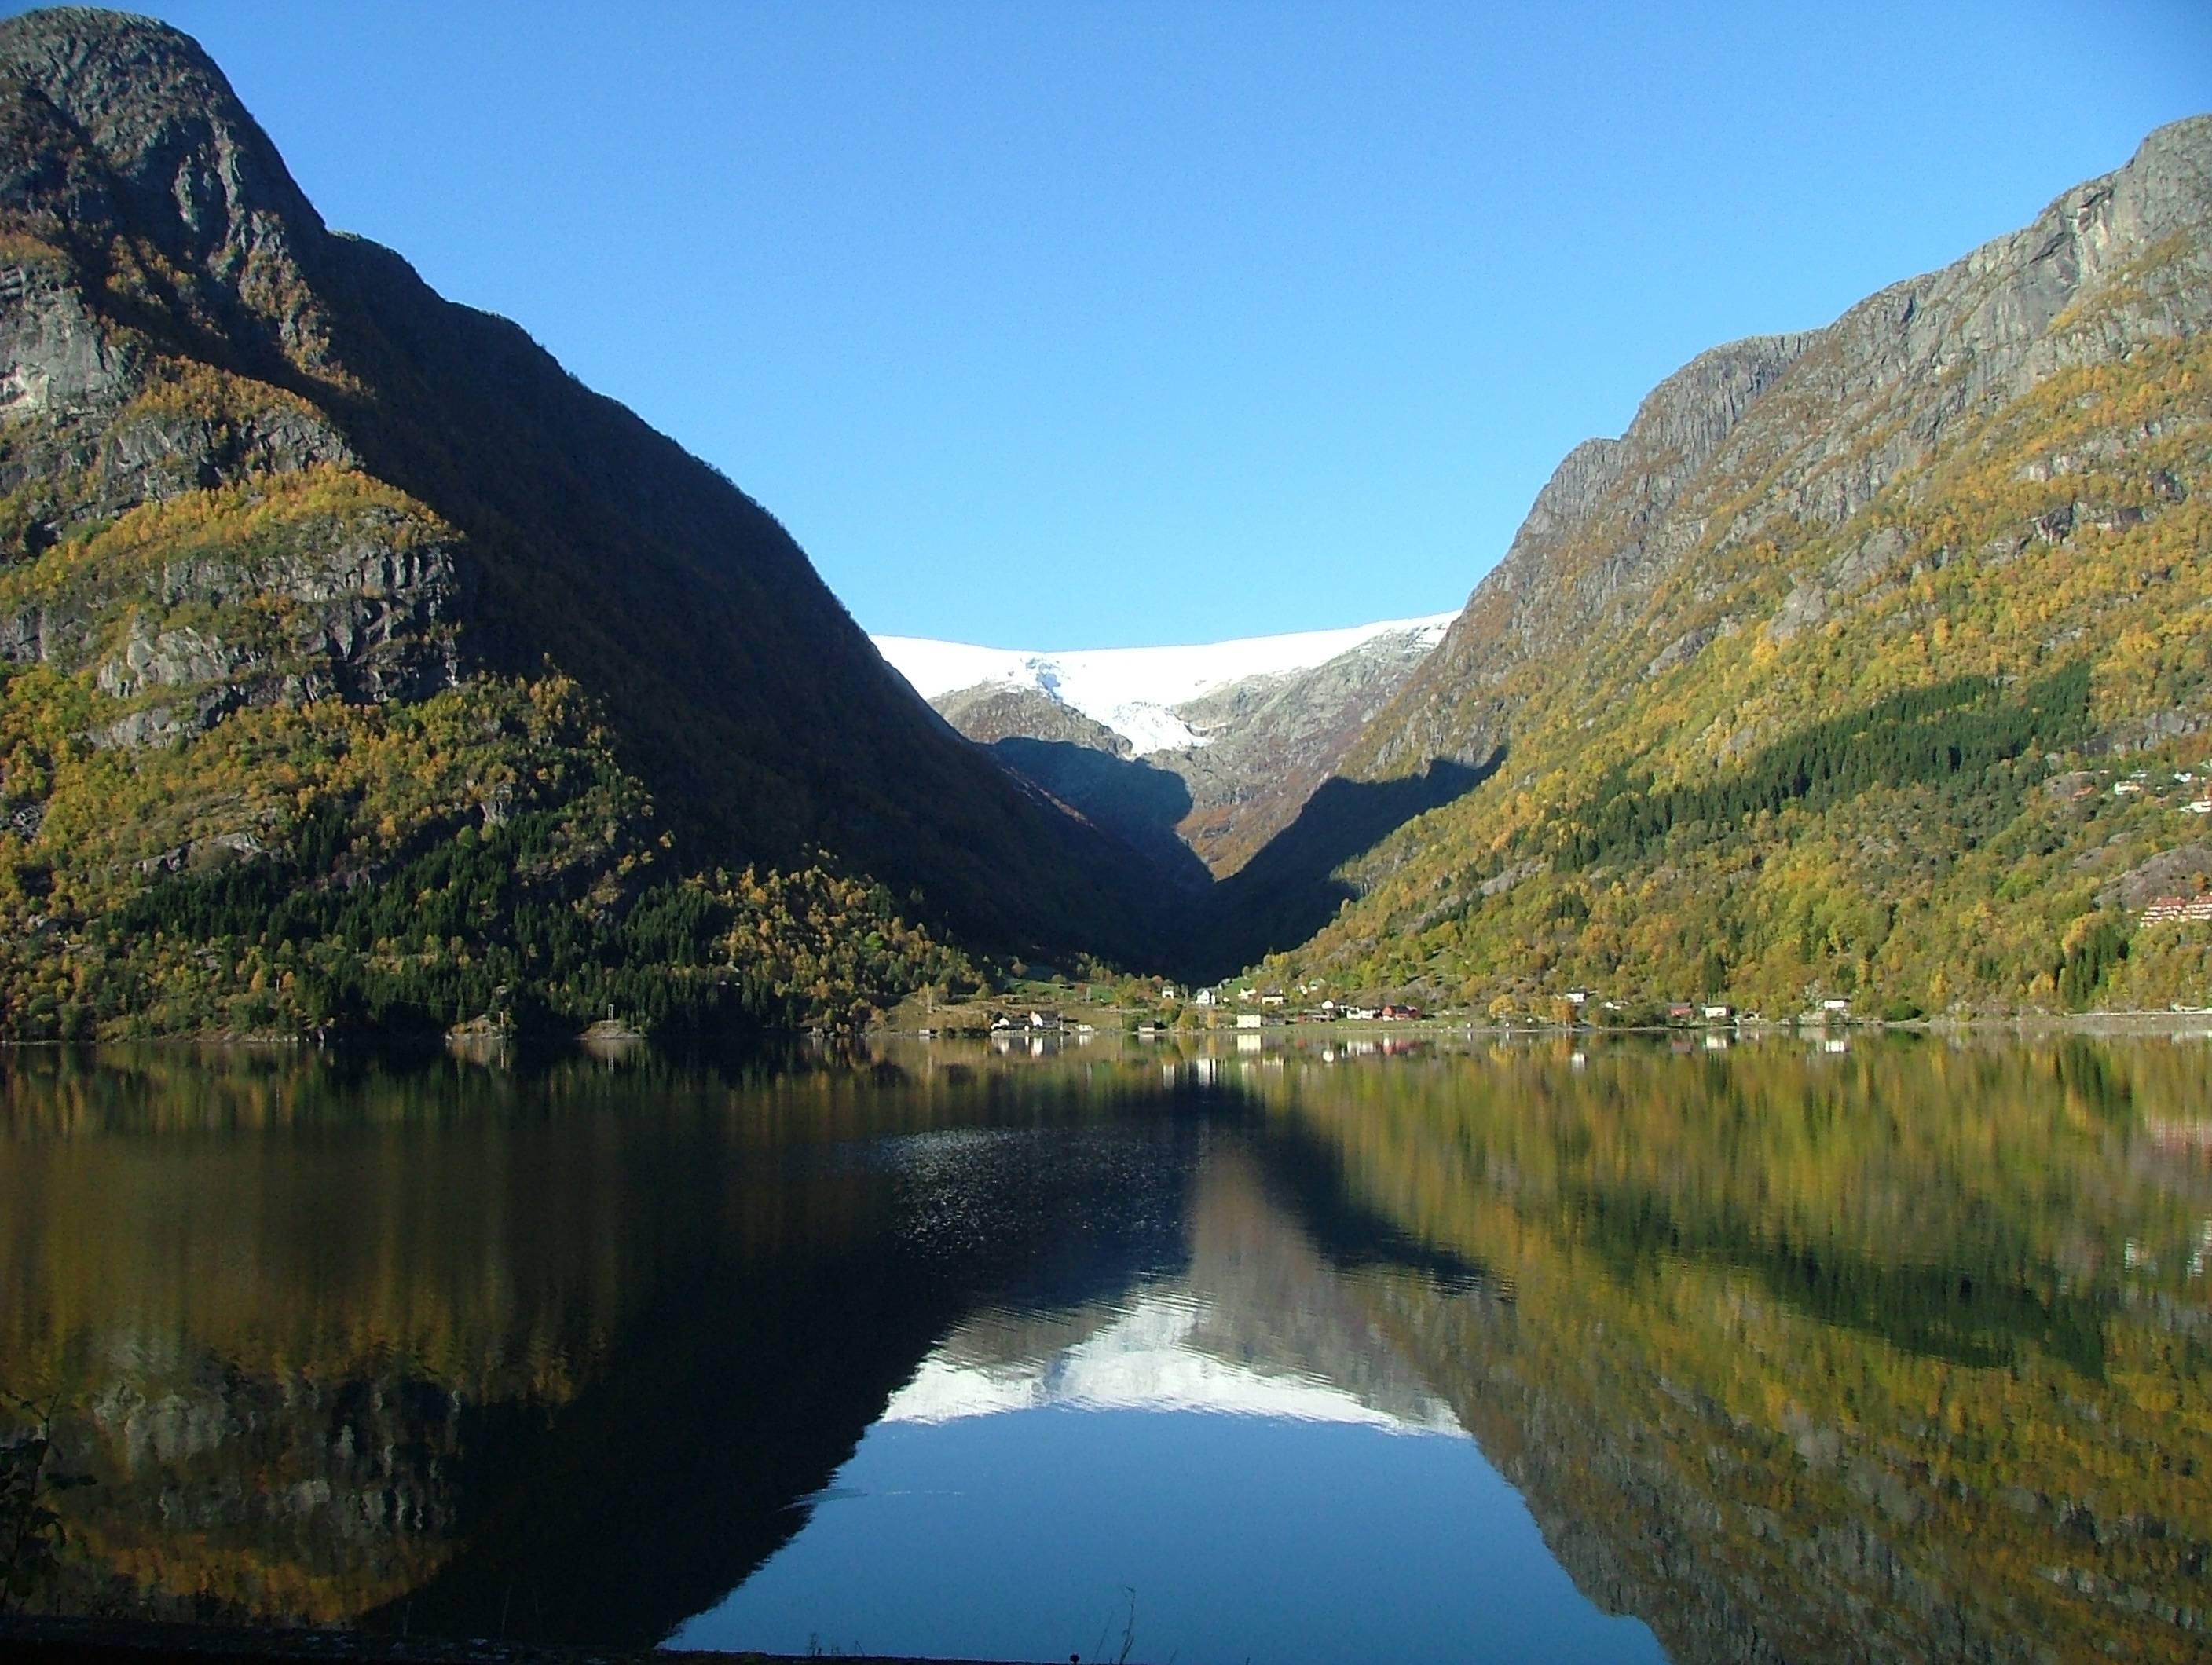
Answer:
[(357, 665), (1145, 685), (1975, 480), (267, 496), (1693, 413), (1209, 752)]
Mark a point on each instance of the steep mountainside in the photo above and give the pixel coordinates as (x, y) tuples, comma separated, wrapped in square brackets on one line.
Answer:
[(1829, 676), (1209, 752), (355, 659)]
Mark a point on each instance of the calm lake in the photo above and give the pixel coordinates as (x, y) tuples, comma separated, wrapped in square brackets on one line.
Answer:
[(1602, 1350)]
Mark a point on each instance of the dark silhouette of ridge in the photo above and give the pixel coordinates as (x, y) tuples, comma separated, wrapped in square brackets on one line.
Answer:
[(1136, 801), (758, 716), (1288, 891)]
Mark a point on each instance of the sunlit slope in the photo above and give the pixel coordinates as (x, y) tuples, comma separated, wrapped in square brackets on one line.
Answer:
[(1788, 686), (309, 577)]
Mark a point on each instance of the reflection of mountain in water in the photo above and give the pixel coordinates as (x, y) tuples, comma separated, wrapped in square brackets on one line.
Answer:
[(550, 1357), (1904, 1347), (1900, 1358), (557, 1356), (1258, 1324)]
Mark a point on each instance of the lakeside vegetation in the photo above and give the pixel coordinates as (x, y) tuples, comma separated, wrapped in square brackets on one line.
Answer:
[(409, 867)]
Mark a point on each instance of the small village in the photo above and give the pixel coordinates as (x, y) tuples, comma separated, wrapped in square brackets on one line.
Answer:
[(1039, 1009)]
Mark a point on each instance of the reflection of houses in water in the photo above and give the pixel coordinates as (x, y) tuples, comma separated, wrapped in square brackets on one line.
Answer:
[(2177, 1137)]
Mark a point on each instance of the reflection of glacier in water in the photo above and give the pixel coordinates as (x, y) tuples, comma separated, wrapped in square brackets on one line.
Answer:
[(1253, 1320), (1231, 1451), (607, 1366), (1151, 1356)]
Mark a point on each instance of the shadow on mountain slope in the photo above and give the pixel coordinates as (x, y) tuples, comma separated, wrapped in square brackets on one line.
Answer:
[(1288, 891), (1136, 801)]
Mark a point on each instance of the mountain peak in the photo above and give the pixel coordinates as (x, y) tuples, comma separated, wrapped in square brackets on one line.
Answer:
[(2186, 143), (163, 121), (266, 489)]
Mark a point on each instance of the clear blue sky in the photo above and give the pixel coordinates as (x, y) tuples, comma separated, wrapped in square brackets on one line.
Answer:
[(1097, 324)]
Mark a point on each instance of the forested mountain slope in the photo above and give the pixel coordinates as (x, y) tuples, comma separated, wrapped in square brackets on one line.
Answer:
[(356, 661), (1829, 676)]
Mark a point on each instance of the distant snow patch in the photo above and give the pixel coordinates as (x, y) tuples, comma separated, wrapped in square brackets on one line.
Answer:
[(1134, 691)]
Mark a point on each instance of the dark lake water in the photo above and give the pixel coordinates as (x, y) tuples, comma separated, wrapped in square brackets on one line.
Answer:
[(1539, 1351)]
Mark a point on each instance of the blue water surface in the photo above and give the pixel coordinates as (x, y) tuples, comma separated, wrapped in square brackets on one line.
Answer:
[(1036, 1534)]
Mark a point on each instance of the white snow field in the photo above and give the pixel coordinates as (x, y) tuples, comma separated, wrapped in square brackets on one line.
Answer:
[(1134, 691)]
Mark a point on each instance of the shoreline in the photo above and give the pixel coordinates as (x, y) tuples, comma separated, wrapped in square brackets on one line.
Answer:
[(67, 1641), (2116, 1023)]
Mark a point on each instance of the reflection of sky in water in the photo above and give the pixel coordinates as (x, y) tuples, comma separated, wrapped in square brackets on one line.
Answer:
[(577, 1344), (1224, 1435), (1256, 1509), (1241, 1537)]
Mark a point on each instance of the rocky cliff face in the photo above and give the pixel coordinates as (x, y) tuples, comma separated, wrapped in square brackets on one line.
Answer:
[(1754, 445), (1271, 741), (253, 468), (1596, 539), (1762, 688), (988, 714), (123, 156)]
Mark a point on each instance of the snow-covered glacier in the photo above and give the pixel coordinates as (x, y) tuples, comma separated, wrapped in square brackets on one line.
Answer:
[(1135, 691)]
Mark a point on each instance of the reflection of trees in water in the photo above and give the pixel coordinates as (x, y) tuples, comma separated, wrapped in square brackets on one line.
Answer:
[(548, 1353), (1781, 1348), (1812, 1356)]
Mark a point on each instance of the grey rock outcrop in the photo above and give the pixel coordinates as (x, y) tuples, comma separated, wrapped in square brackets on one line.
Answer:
[(377, 493), (990, 713), (1272, 740), (164, 145), (1631, 538)]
